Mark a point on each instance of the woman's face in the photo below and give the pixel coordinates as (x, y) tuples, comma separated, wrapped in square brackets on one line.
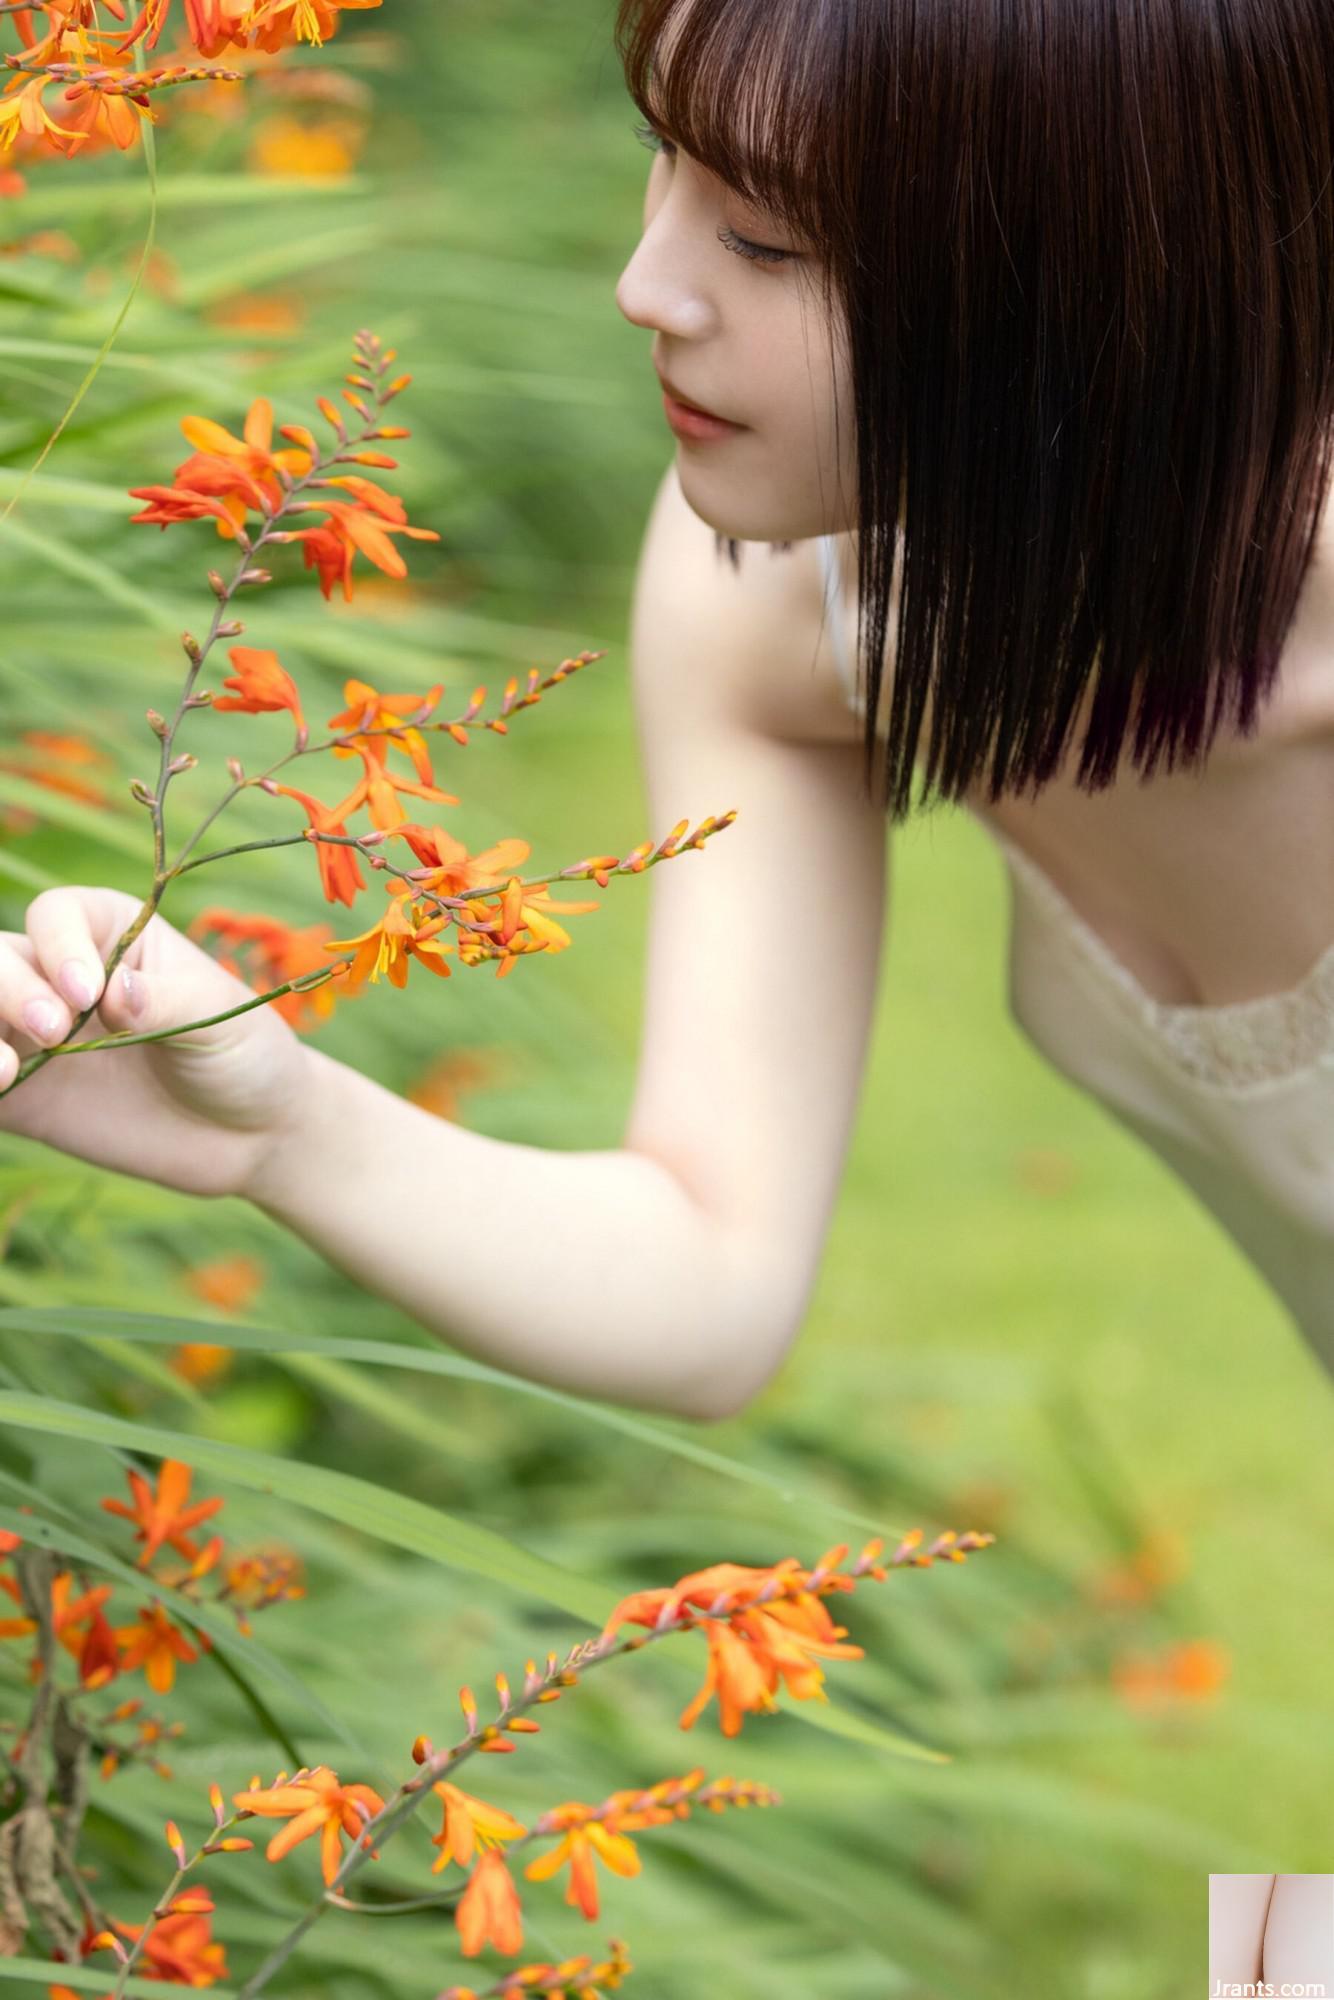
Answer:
[(745, 337)]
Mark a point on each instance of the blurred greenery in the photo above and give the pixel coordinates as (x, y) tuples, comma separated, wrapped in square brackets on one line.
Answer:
[(1023, 1322)]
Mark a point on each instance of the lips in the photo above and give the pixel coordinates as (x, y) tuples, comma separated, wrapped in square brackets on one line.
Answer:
[(689, 404)]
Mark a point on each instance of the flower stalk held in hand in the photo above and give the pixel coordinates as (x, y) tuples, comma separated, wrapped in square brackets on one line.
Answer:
[(443, 901)]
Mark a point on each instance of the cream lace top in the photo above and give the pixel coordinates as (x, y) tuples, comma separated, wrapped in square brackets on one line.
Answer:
[(1237, 1100)]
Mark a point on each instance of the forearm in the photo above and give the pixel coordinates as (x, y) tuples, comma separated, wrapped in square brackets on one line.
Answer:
[(594, 1272)]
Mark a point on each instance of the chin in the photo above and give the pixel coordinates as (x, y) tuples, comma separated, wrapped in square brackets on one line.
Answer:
[(743, 520)]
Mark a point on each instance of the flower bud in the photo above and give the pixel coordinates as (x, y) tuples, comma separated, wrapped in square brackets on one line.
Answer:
[(216, 584), (192, 650), (230, 628), (255, 576), (157, 723), (140, 791), (183, 763)]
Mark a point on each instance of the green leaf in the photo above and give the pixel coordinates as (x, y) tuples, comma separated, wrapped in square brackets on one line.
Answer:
[(86, 1979), (110, 829), (85, 1323), (404, 1523), (86, 493), (86, 569), (358, 1503), (150, 160)]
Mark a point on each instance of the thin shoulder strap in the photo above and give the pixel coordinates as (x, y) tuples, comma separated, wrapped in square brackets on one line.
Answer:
[(833, 611)]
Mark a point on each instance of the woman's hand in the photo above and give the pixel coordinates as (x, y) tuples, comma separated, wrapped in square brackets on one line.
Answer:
[(195, 1113)]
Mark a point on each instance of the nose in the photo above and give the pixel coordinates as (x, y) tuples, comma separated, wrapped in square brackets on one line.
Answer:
[(659, 287)]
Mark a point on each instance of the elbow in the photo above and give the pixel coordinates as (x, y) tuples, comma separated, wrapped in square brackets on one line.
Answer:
[(751, 1301), (737, 1375), (710, 1405)]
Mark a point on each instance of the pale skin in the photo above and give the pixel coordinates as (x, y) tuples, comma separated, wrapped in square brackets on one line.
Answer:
[(671, 1272), (1275, 1929)]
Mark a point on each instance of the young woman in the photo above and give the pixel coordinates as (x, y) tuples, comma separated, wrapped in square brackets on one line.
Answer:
[(1022, 326)]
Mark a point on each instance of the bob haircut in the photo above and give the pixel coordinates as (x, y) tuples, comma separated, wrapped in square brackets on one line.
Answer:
[(1082, 252)]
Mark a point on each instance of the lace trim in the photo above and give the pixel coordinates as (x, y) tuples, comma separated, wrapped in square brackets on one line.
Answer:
[(1274, 1038)]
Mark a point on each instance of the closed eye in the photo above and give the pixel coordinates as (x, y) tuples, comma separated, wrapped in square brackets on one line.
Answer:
[(758, 253)]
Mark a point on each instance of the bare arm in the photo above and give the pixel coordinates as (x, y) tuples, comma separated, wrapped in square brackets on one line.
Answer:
[(671, 1272)]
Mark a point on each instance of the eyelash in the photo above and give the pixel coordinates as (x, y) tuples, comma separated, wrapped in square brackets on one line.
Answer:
[(756, 253)]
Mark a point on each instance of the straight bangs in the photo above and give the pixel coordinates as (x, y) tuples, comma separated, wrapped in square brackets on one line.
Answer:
[(749, 88), (1081, 254)]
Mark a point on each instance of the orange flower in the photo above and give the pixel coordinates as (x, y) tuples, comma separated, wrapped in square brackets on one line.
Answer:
[(200, 1361), (325, 149), (453, 871), (261, 686), (378, 789), (93, 1648), (167, 504), (363, 528), (99, 1654), (1196, 1668), (260, 1578), (751, 1645), (1190, 1670), (340, 871), (257, 312), (164, 1516), (276, 953), (368, 709), (585, 1837), (64, 751), (67, 1614), (214, 24), (389, 944), (469, 1823), (226, 476), (87, 113), (252, 452), (488, 1911), (314, 1802), (154, 1644), (178, 1948), (13, 1628), (230, 1282)]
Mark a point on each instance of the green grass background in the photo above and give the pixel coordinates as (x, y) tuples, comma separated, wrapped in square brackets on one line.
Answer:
[(1072, 1368)]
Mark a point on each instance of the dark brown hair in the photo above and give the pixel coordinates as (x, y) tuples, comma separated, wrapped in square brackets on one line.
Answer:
[(1082, 252)]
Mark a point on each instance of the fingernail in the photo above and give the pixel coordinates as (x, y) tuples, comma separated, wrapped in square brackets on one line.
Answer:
[(42, 1018), (77, 981), (132, 987)]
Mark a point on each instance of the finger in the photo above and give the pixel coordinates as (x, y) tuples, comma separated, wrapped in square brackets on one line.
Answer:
[(27, 1000), (59, 924), (130, 999)]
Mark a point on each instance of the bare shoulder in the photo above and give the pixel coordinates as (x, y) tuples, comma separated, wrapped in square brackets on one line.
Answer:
[(769, 655)]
